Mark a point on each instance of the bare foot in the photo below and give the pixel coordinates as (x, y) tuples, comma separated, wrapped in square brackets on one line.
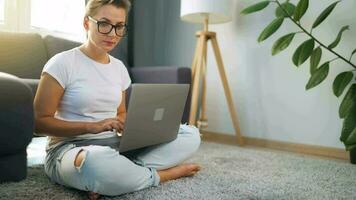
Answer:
[(178, 171), (93, 195)]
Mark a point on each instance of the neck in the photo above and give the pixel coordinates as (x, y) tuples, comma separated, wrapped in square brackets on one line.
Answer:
[(94, 53)]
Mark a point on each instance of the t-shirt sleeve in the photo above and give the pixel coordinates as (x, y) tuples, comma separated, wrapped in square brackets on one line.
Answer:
[(58, 69), (125, 78)]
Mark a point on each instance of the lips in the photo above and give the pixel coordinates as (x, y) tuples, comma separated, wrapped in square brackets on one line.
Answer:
[(109, 43)]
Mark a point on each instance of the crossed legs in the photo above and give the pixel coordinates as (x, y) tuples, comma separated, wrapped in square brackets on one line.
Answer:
[(149, 167)]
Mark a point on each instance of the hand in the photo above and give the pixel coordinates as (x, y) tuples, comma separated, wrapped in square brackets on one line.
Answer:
[(106, 125), (119, 132)]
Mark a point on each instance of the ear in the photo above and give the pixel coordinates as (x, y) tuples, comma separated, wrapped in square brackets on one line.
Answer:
[(86, 23)]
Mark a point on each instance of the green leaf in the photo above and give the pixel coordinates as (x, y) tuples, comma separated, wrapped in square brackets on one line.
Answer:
[(282, 43), (348, 102), (315, 59), (300, 10), (348, 125), (350, 147), (353, 52), (341, 81), (303, 52), (288, 7), (320, 74), (351, 140), (270, 29), (338, 38), (256, 7), (324, 14)]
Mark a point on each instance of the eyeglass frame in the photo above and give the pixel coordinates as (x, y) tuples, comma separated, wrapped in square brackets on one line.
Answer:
[(112, 26)]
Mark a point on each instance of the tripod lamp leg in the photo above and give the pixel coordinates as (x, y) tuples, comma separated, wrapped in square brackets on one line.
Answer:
[(196, 82), (228, 95)]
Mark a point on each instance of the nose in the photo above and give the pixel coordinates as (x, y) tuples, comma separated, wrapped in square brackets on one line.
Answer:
[(112, 33)]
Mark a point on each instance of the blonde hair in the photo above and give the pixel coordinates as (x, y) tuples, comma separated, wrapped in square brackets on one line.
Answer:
[(93, 6)]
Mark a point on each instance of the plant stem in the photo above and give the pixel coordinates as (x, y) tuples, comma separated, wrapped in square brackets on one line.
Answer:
[(299, 32), (334, 59), (310, 35)]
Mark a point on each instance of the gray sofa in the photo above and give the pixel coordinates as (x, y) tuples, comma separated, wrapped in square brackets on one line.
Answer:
[(22, 57)]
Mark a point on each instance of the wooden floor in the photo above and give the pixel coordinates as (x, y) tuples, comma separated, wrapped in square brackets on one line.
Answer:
[(328, 152)]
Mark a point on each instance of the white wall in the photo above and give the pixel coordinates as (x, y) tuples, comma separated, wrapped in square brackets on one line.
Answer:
[(268, 91)]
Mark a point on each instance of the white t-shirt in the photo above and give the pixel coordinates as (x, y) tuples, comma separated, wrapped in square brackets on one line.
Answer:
[(92, 90)]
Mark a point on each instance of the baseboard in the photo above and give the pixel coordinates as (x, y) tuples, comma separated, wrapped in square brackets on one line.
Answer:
[(314, 150)]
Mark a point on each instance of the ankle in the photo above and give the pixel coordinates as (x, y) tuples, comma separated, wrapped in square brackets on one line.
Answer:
[(164, 175)]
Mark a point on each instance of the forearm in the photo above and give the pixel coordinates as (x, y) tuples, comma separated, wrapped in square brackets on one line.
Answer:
[(122, 116), (54, 127)]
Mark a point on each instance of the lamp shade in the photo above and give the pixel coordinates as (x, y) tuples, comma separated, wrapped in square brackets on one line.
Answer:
[(196, 11)]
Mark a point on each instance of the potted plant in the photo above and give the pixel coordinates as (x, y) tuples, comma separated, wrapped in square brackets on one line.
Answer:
[(312, 49)]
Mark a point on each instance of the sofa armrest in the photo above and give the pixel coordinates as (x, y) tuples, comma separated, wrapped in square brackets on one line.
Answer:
[(16, 114), (164, 74), (33, 83)]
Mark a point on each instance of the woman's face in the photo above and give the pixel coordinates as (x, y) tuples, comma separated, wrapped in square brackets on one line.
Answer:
[(111, 15)]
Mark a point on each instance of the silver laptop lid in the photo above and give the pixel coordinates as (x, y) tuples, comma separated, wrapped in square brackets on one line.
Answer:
[(154, 114)]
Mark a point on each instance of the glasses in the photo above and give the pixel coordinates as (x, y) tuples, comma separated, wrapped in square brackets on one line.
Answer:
[(106, 28)]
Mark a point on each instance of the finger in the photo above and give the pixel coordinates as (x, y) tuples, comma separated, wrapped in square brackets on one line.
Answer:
[(116, 125), (122, 128), (120, 123), (108, 127)]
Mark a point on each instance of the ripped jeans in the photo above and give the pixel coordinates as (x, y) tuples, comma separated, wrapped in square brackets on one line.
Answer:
[(106, 171)]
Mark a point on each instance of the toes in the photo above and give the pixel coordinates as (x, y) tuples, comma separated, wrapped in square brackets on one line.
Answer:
[(192, 173), (93, 195), (195, 167)]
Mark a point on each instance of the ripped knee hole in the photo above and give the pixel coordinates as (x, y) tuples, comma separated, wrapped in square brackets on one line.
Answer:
[(79, 159)]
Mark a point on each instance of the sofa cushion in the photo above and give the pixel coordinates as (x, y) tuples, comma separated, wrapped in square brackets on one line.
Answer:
[(22, 54), (13, 167), (56, 45)]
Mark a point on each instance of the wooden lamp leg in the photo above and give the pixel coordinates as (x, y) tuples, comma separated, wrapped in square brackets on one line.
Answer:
[(228, 95), (195, 58), (196, 80), (203, 121)]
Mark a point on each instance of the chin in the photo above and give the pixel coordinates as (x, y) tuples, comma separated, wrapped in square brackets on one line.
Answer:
[(107, 48)]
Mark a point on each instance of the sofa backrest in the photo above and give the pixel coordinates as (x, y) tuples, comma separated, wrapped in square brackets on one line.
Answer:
[(56, 45), (25, 54), (22, 54)]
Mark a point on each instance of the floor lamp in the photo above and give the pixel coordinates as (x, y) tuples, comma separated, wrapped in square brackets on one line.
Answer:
[(207, 12)]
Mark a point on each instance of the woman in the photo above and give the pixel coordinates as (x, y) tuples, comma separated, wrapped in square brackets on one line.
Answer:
[(80, 103)]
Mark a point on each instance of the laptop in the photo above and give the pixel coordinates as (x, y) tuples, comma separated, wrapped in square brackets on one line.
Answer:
[(153, 117)]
